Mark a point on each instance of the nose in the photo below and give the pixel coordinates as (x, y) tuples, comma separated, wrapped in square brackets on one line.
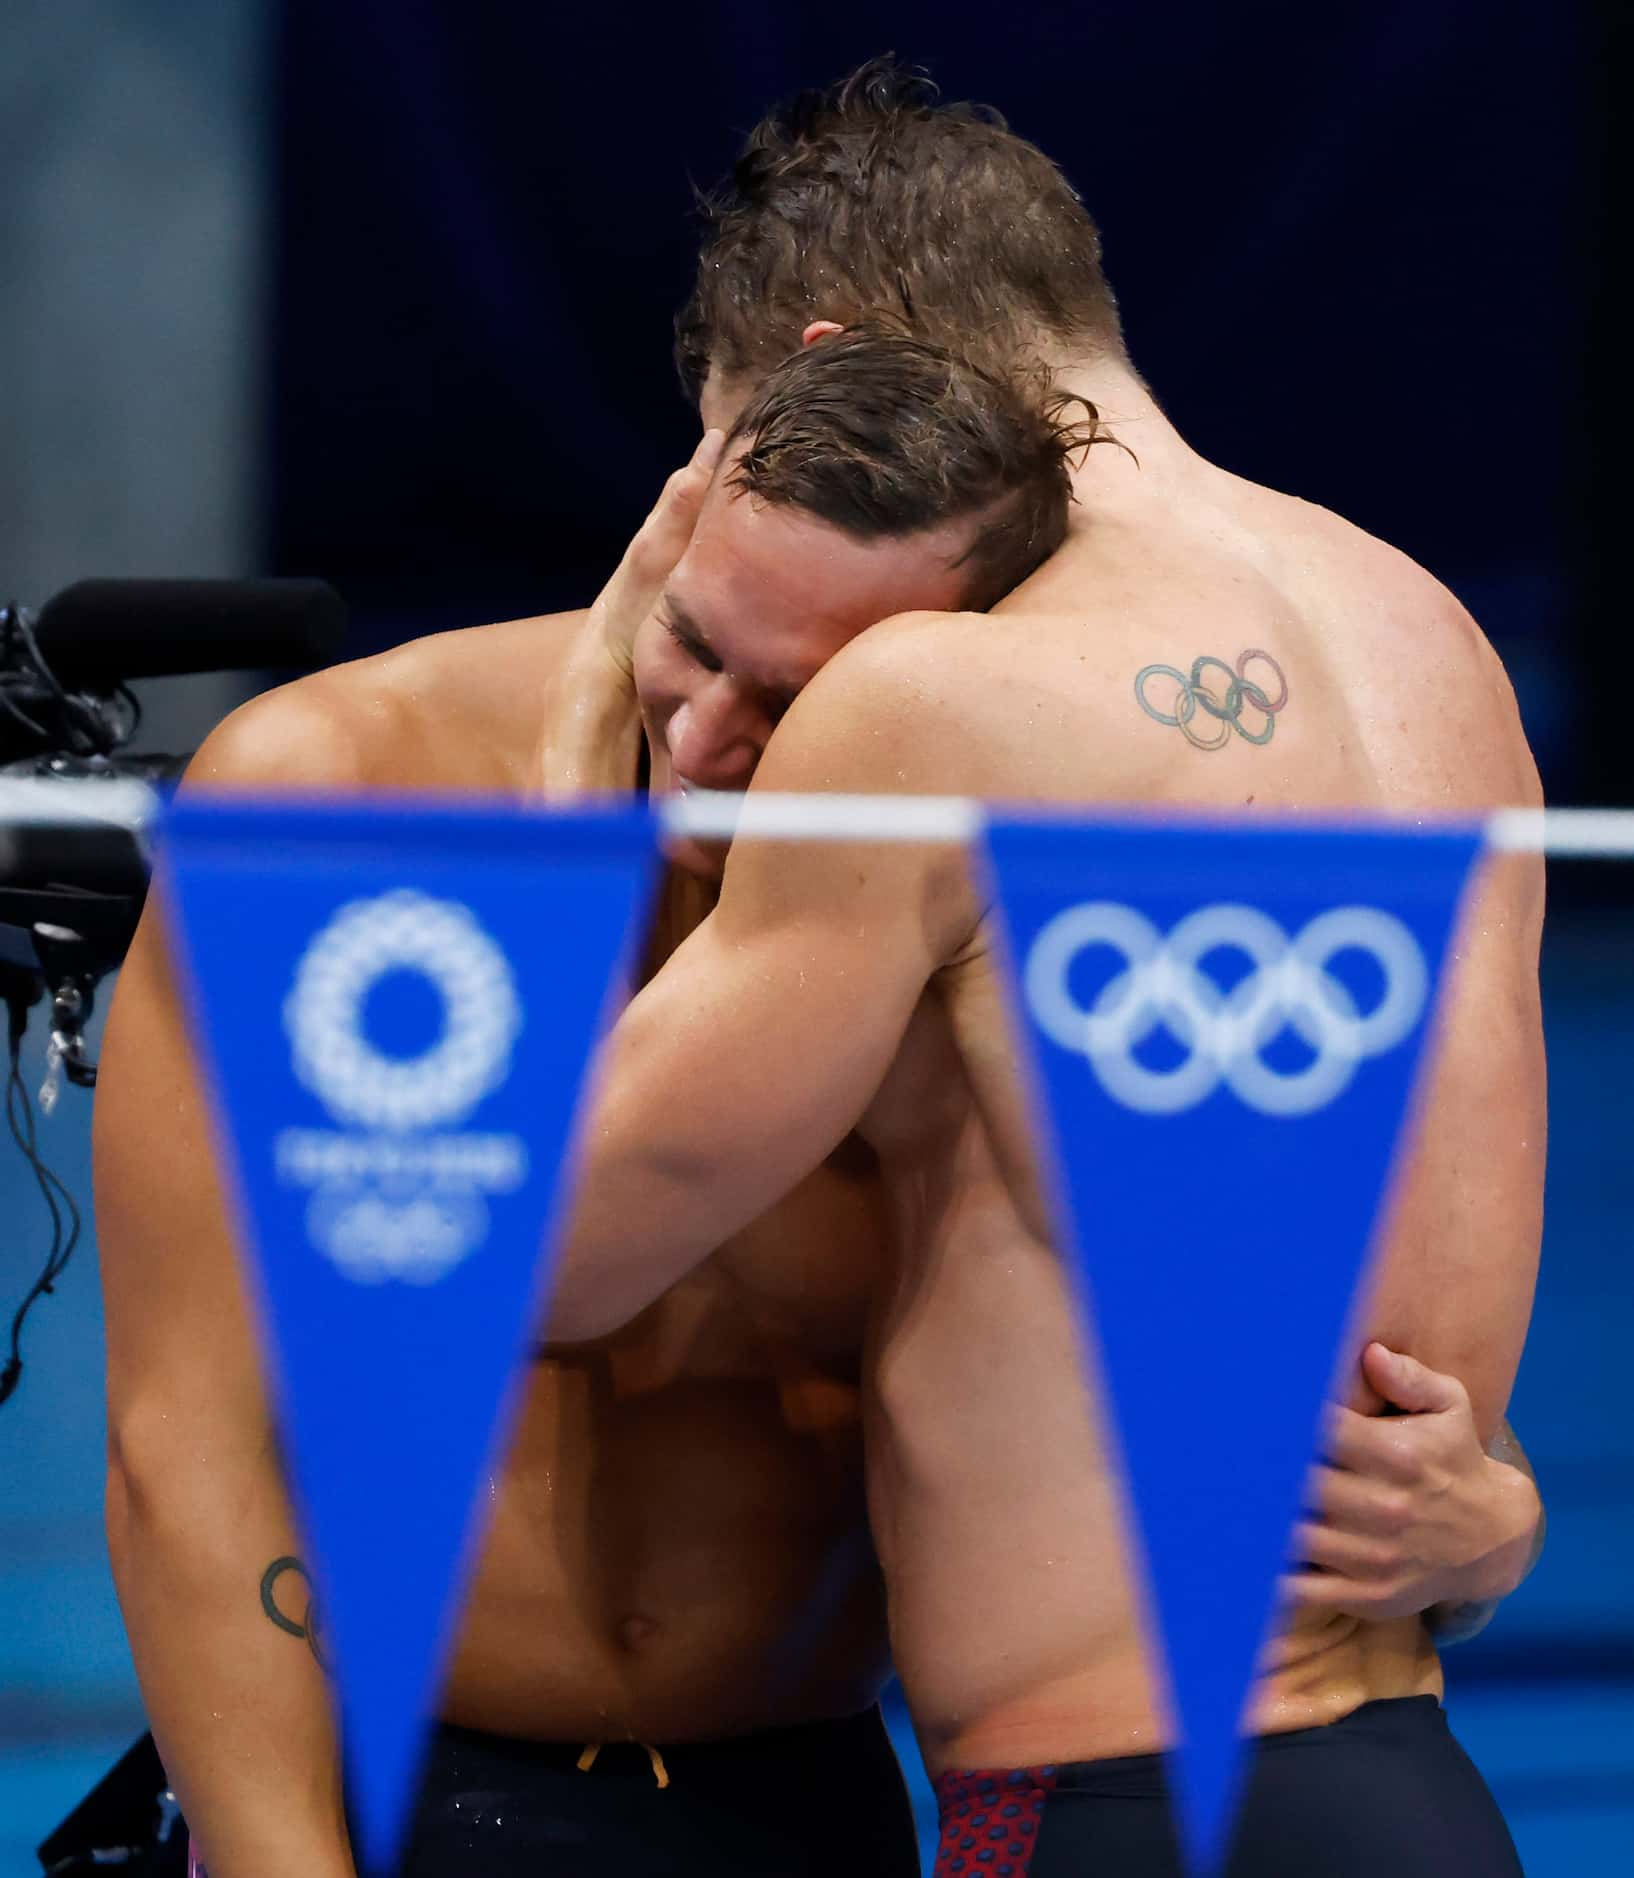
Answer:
[(716, 736)]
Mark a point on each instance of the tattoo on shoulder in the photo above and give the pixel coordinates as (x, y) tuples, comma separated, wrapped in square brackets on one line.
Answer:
[(309, 1625), (1225, 693)]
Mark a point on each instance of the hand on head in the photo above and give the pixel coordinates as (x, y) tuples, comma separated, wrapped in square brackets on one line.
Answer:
[(659, 543), (590, 729)]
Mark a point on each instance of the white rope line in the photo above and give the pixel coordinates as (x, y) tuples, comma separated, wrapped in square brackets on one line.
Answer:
[(1606, 833), (713, 816), (709, 815), (55, 802)]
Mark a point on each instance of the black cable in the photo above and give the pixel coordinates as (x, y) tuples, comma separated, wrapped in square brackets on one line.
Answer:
[(78, 715), (20, 1119), (12, 708), (55, 718), (58, 724)]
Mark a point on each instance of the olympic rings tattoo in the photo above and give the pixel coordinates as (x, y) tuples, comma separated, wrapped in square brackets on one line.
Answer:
[(1225, 706)]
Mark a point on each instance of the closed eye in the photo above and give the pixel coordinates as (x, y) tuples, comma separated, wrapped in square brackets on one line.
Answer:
[(692, 646)]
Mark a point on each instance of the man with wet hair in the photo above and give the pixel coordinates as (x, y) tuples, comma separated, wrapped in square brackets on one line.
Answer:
[(675, 1640), (1364, 687), (870, 199)]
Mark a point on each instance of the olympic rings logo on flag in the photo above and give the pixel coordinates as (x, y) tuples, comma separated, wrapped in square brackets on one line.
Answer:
[(1225, 1033), (418, 1239), (441, 941)]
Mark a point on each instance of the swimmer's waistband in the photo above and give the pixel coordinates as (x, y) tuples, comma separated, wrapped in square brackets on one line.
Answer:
[(1387, 1789), (797, 1802), (803, 1744)]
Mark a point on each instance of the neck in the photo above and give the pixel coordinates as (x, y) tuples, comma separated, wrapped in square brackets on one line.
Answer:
[(1156, 458)]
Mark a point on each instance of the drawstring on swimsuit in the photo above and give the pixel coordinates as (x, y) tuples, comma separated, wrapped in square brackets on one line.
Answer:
[(660, 1772)]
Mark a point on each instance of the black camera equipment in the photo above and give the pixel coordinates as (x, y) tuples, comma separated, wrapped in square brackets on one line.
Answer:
[(72, 884)]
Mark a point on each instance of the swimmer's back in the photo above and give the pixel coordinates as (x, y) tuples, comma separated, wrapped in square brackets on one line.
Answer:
[(1395, 699), (1394, 704)]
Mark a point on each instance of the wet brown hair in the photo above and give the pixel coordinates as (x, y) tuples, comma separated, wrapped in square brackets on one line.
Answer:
[(883, 435), (871, 197)]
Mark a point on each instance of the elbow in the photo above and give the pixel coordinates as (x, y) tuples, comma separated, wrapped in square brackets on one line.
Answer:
[(604, 1273), (147, 1436), (132, 1508), (144, 1467), (620, 1255), (179, 1478), (598, 1285), (583, 1314)]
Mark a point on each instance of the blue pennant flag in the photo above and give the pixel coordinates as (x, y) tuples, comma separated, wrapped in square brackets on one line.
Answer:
[(396, 1004), (1225, 1024)]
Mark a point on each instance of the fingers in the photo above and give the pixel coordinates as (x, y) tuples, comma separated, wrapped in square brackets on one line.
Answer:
[(692, 478), (1408, 1384), (1355, 1503), (1333, 1591), (1354, 1555), (663, 536), (1318, 1590), (1384, 1447)]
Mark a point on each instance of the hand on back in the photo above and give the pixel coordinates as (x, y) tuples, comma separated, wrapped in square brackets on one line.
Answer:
[(1409, 1510)]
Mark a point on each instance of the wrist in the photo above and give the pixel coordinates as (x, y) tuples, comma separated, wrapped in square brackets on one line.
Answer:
[(1501, 1568), (598, 655), (591, 736), (1472, 1592), (599, 673)]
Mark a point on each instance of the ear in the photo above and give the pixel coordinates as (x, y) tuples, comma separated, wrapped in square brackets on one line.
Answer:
[(818, 328)]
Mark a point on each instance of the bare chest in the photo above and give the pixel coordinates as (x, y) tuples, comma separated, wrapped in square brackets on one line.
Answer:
[(786, 1300)]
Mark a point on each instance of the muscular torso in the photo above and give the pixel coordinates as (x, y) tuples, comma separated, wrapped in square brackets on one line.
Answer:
[(677, 1543), (1014, 1623)]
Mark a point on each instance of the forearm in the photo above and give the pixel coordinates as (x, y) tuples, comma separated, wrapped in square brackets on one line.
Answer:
[(238, 1704)]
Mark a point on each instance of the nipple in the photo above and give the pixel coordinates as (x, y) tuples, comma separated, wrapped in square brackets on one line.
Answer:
[(636, 1630)]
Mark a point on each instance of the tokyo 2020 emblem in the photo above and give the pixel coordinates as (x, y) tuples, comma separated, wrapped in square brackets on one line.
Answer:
[(441, 941)]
